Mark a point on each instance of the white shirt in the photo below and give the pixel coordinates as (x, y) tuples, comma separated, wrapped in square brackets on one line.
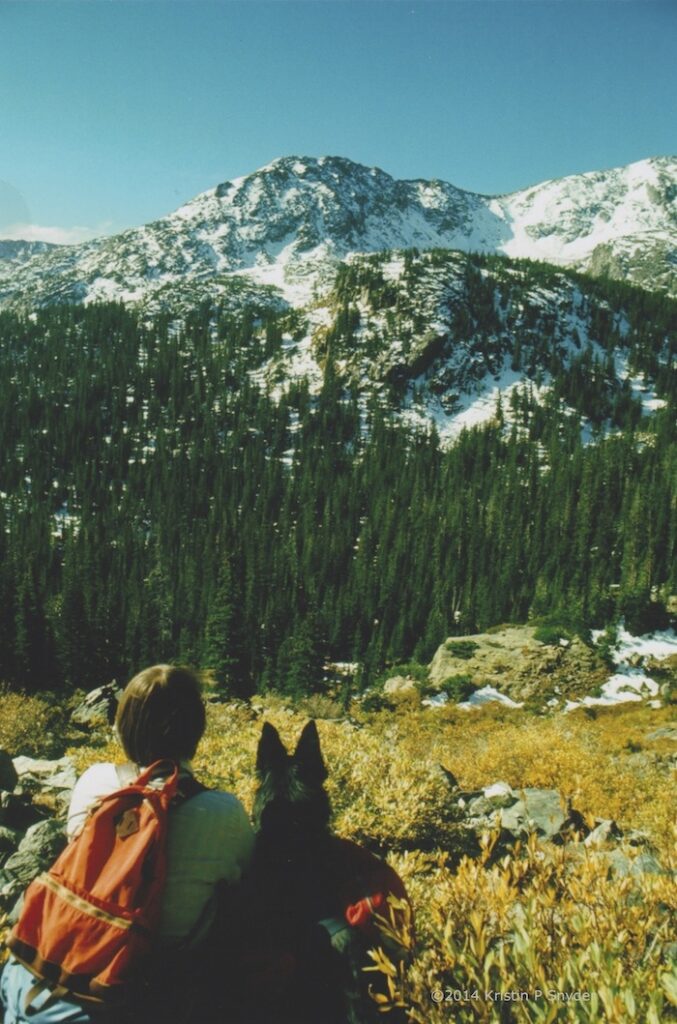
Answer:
[(209, 839)]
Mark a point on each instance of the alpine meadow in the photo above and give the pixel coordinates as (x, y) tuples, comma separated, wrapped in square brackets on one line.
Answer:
[(400, 458)]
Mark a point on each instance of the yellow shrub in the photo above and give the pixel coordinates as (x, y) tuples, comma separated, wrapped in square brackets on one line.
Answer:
[(27, 724)]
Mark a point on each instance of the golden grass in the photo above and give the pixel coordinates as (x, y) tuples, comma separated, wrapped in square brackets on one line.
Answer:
[(549, 920)]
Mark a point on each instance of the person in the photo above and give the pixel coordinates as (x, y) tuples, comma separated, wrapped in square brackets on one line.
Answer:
[(161, 715)]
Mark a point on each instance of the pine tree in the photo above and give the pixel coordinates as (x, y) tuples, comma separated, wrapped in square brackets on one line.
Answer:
[(224, 646)]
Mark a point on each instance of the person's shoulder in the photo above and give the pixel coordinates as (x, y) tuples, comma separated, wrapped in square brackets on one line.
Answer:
[(221, 809), (217, 800), (95, 782), (104, 773)]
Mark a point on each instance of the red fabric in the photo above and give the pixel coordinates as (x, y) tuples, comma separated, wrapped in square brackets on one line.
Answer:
[(115, 866), (361, 913), (364, 884)]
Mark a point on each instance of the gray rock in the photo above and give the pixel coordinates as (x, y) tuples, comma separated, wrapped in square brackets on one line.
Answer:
[(480, 807), (10, 891), (8, 773), (63, 781), (58, 776), (399, 684), (98, 707), (603, 832), (539, 810), (44, 839), (24, 867), (500, 794), (37, 850), (9, 839), (667, 732), (17, 811), (645, 864)]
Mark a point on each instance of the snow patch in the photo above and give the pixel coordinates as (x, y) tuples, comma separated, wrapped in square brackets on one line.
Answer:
[(486, 695), (629, 682)]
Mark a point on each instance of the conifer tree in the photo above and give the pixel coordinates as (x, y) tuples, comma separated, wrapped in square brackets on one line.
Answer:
[(224, 645)]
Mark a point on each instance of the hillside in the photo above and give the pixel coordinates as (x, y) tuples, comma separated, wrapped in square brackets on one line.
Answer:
[(316, 429), (576, 897), (158, 502)]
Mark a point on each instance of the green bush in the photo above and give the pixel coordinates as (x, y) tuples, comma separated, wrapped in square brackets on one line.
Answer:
[(566, 624), (458, 688), (551, 634), (641, 614), (464, 649), (409, 669), (606, 645), (375, 701)]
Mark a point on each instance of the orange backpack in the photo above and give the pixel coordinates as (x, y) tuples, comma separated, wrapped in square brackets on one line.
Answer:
[(88, 921)]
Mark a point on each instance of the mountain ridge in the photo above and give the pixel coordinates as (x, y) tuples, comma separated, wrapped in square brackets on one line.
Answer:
[(290, 224)]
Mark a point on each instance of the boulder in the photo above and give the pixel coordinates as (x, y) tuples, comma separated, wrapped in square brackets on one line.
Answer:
[(37, 850), (10, 890), (500, 794), (539, 810), (624, 866), (58, 776), (18, 812), (8, 774), (399, 684), (9, 839), (511, 659), (603, 832), (98, 707)]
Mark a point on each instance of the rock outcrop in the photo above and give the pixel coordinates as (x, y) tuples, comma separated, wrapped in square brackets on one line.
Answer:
[(515, 663)]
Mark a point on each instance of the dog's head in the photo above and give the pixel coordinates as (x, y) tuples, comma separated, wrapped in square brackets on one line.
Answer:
[(291, 804)]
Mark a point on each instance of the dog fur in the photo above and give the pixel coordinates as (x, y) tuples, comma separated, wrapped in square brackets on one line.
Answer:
[(298, 873)]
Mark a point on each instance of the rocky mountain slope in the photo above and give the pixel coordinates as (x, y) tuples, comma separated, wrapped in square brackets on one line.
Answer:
[(412, 290), (291, 223), (15, 253), (455, 340)]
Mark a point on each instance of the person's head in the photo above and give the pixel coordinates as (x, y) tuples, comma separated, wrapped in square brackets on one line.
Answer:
[(161, 715)]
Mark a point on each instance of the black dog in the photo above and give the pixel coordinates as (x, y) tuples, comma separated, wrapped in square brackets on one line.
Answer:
[(306, 959)]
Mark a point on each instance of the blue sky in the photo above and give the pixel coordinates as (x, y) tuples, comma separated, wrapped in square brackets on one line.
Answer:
[(113, 113)]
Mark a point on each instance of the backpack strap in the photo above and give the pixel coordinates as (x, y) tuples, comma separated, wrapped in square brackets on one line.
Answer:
[(56, 992), (188, 785), (126, 773)]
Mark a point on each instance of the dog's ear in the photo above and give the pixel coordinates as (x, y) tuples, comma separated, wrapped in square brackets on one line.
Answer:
[(271, 753), (308, 755)]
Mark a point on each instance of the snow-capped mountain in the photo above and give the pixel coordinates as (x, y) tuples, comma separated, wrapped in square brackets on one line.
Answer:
[(21, 251), (290, 224)]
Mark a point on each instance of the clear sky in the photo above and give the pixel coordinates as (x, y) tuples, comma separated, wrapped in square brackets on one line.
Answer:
[(113, 113)]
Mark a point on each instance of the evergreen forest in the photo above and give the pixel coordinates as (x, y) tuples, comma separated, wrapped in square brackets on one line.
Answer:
[(157, 504)]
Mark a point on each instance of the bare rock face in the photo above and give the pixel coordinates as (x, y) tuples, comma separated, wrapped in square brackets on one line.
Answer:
[(37, 850), (98, 708), (518, 665)]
